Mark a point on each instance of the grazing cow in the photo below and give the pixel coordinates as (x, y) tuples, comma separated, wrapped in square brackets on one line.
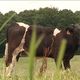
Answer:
[(18, 40), (72, 35)]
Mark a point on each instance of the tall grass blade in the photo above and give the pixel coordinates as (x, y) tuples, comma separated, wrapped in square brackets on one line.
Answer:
[(61, 53), (32, 51), (7, 21), (39, 41), (2, 41), (5, 24)]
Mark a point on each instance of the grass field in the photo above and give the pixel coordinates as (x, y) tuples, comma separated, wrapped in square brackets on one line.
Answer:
[(21, 70)]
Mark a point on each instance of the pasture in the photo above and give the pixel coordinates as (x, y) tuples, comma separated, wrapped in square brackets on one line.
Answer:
[(21, 70)]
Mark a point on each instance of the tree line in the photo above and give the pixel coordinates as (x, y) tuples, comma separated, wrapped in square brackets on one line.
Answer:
[(50, 17)]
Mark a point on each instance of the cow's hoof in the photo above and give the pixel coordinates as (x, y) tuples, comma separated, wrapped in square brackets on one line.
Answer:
[(8, 76)]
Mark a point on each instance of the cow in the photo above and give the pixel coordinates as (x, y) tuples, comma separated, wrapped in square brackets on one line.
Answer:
[(19, 37), (72, 36), (18, 40)]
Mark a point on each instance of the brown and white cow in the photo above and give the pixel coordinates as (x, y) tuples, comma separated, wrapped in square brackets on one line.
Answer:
[(18, 40), (19, 36), (72, 35)]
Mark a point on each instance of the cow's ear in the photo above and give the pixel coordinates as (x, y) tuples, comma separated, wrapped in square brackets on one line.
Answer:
[(69, 30)]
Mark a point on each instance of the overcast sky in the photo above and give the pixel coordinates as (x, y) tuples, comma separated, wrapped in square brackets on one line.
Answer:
[(18, 6)]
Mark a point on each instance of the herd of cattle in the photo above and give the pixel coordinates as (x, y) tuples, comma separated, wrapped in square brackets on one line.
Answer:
[(19, 36)]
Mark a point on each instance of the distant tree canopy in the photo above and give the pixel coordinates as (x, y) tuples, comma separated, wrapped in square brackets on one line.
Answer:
[(51, 17)]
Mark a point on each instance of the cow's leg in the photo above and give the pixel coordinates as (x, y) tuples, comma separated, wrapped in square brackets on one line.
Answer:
[(6, 59), (15, 54), (66, 64), (44, 62), (11, 66), (44, 65)]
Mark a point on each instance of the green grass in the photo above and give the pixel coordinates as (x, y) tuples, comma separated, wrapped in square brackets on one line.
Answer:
[(22, 68)]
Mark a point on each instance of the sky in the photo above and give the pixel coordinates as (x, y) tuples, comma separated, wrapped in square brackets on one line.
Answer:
[(18, 6)]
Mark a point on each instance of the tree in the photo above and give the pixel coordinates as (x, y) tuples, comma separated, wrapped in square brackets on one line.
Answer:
[(66, 17), (27, 16), (77, 15), (1, 19)]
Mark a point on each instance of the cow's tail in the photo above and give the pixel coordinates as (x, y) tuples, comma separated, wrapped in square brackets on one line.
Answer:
[(6, 53), (6, 48)]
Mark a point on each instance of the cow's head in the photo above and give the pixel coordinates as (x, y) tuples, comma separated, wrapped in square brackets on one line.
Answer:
[(74, 29)]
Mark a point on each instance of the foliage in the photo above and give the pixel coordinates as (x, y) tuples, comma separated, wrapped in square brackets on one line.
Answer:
[(3, 28)]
